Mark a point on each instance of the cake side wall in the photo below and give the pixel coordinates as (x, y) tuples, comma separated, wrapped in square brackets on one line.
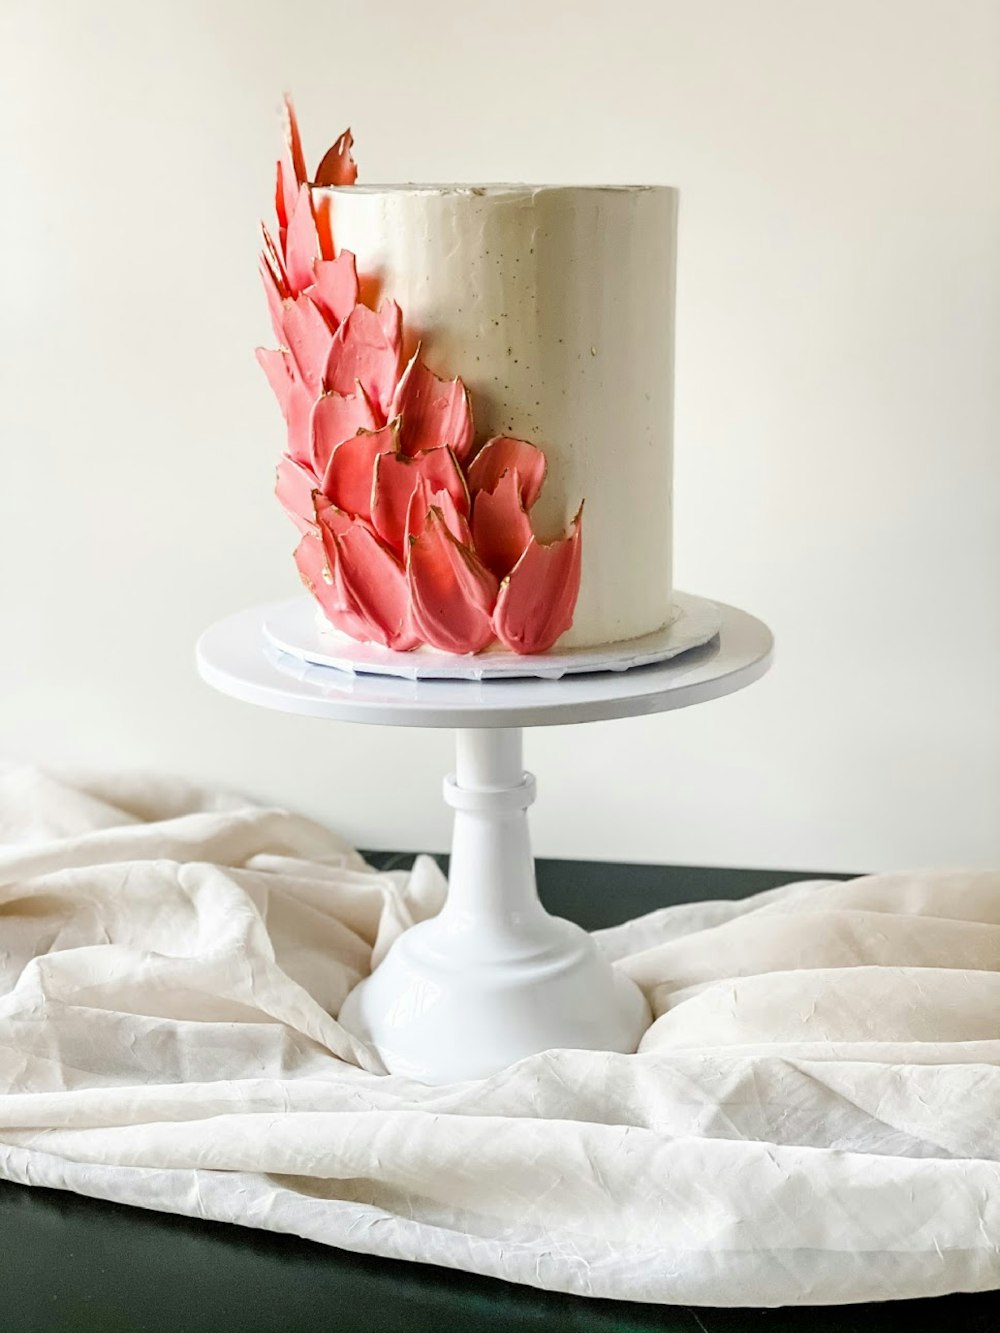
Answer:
[(556, 307)]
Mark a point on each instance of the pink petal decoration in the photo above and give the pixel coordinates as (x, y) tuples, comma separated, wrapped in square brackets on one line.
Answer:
[(309, 338), (433, 411), (291, 168), (275, 280), (294, 488), (294, 155), (276, 366), (423, 497), (281, 199), (452, 593), (390, 318), (504, 452), (349, 475), (396, 478), (537, 598), (360, 351), (338, 166), (335, 287), (300, 407), (302, 243), (314, 571), (501, 527), (369, 579), (335, 418)]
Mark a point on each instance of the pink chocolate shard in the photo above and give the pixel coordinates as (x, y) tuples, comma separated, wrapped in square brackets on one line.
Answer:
[(291, 168), (276, 366), (335, 418), (294, 399), (314, 571), (293, 143), (501, 528), (309, 338), (350, 472), (302, 244), (423, 497), (433, 411), (335, 287), (538, 596), (367, 577), (275, 280), (452, 593), (396, 478), (504, 453), (300, 406), (361, 351), (390, 318), (338, 166), (294, 488)]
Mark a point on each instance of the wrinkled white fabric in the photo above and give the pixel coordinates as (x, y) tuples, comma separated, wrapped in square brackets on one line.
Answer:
[(813, 1117)]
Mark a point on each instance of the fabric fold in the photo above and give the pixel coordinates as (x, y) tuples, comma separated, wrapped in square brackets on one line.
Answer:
[(812, 1118)]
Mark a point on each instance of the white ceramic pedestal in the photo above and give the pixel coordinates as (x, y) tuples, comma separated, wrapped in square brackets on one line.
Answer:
[(493, 977)]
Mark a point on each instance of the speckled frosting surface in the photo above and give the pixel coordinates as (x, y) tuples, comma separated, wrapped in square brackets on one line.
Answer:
[(555, 304)]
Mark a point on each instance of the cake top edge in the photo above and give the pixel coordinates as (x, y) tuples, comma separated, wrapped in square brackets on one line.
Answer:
[(489, 190)]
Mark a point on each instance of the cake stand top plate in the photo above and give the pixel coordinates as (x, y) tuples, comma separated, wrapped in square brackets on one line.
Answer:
[(234, 657)]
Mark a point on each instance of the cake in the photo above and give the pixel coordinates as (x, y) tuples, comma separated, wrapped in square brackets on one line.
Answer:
[(477, 382)]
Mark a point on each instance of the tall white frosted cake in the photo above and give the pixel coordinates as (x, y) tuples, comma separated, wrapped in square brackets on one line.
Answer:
[(449, 513)]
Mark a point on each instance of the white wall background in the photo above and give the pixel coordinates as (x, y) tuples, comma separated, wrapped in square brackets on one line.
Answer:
[(838, 404)]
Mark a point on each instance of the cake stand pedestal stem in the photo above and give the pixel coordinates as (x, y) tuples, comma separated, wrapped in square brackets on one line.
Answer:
[(493, 977), (492, 908)]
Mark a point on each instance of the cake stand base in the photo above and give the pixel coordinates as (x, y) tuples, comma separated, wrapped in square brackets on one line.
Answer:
[(493, 977)]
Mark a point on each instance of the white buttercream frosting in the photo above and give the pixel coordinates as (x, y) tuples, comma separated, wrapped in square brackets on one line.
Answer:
[(555, 305)]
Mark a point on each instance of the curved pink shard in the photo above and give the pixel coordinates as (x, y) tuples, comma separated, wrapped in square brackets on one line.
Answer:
[(505, 453), (302, 243), (367, 578), (276, 366), (396, 478), (501, 528), (275, 280), (538, 596), (452, 593), (308, 337), (361, 351), (350, 473), (294, 486), (338, 166), (300, 406), (335, 418), (295, 400), (390, 319), (291, 167), (293, 143), (423, 497), (433, 411), (335, 287), (314, 571)]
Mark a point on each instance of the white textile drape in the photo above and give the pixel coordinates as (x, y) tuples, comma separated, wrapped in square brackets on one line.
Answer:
[(813, 1117)]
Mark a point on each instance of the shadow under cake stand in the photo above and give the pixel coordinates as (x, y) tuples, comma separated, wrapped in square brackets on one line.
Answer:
[(493, 977)]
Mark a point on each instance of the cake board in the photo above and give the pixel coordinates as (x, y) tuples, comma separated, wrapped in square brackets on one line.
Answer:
[(493, 977), (294, 627)]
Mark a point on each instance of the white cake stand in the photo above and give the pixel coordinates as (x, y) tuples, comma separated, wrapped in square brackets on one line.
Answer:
[(493, 977)]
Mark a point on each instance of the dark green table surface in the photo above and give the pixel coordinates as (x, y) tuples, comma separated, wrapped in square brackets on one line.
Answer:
[(68, 1262)]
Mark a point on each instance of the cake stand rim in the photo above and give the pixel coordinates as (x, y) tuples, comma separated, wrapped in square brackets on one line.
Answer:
[(232, 657)]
